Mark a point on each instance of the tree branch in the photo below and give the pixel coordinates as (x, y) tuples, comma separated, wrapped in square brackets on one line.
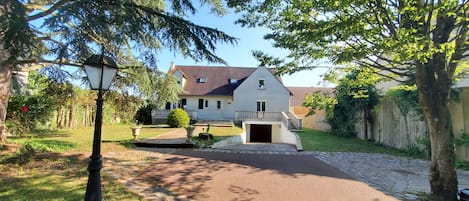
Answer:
[(48, 11), (39, 63)]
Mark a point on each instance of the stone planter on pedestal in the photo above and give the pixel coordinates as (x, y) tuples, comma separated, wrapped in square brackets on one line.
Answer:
[(190, 132), (136, 132)]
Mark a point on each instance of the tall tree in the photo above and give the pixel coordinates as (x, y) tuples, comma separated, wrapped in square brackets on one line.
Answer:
[(425, 40), (56, 33)]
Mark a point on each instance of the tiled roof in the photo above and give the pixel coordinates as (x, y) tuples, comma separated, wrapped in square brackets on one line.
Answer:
[(217, 79), (299, 93)]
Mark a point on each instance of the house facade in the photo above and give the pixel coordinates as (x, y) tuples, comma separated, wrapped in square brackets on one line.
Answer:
[(229, 93), (254, 97)]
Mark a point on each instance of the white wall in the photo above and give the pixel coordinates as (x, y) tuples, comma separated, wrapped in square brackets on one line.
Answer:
[(180, 77), (280, 133), (211, 112), (274, 93)]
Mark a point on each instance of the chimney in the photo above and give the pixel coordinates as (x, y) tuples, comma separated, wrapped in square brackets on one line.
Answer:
[(172, 65)]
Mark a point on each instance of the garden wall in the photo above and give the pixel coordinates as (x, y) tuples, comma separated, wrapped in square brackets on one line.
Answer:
[(388, 126), (317, 121)]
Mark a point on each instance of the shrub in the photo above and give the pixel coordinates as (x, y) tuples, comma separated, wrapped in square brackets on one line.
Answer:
[(143, 114), (178, 118)]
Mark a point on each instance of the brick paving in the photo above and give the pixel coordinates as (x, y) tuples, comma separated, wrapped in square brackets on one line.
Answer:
[(399, 177)]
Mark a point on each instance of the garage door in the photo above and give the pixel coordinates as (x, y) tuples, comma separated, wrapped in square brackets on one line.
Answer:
[(261, 133)]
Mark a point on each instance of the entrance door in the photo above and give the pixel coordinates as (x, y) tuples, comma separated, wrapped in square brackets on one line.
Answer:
[(260, 133)]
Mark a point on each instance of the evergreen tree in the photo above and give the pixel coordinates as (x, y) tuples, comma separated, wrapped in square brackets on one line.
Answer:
[(51, 34)]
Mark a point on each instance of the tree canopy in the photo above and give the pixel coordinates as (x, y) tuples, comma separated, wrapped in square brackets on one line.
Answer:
[(51, 34), (65, 32), (421, 40)]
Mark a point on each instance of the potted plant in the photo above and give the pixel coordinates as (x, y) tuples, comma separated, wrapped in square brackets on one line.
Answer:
[(189, 130), (136, 130)]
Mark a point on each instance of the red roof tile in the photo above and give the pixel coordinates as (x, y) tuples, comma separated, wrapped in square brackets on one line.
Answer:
[(217, 79), (299, 93)]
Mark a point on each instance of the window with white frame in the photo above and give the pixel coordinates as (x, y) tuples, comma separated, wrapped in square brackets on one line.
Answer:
[(261, 106)]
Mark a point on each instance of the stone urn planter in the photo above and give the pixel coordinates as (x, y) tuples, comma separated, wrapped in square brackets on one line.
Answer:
[(136, 132), (189, 132)]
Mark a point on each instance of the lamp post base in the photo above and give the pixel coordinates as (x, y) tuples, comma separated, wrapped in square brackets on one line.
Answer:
[(93, 188)]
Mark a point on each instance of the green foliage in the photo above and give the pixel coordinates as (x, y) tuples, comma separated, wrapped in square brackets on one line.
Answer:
[(202, 143), (320, 101), (463, 165), (23, 156), (425, 142), (139, 28), (39, 111), (407, 99), (463, 141), (375, 34), (178, 118), (168, 90), (355, 92), (143, 114)]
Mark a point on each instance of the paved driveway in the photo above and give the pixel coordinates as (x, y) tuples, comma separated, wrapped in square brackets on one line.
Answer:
[(221, 176)]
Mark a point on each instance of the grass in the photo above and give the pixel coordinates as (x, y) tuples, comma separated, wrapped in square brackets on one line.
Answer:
[(313, 140), (51, 165), (463, 165), (224, 132), (54, 177), (219, 133), (81, 139)]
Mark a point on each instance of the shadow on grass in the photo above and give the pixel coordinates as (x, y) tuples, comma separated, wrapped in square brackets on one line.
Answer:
[(53, 176), (126, 143), (43, 133)]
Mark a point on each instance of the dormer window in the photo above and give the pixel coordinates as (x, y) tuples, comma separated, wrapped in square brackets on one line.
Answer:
[(202, 80), (261, 84), (233, 81)]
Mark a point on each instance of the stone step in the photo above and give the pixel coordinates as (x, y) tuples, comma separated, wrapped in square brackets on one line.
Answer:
[(164, 145)]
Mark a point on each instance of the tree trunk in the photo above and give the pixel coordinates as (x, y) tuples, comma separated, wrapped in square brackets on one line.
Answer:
[(5, 79), (365, 121), (434, 87), (70, 116)]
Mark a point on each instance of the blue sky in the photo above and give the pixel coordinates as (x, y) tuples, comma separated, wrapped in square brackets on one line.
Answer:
[(239, 55)]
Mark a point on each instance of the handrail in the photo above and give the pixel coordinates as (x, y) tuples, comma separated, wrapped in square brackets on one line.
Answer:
[(286, 120), (297, 122), (252, 115)]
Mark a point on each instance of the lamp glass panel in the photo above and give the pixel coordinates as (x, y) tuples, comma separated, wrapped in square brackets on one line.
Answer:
[(94, 75), (109, 73)]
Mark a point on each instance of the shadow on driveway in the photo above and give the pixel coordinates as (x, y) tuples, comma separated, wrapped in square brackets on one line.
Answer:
[(235, 176)]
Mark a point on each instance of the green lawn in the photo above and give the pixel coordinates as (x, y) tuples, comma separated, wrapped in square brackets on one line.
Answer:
[(56, 178), (225, 131), (313, 140), (52, 165), (81, 139)]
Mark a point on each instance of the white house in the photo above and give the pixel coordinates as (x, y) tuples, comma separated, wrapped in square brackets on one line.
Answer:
[(253, 96)]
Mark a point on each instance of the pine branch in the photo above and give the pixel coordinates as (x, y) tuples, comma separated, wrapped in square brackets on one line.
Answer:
[(48, 11)]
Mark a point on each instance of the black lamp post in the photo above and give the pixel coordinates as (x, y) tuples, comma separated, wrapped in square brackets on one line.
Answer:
[(100, 70)]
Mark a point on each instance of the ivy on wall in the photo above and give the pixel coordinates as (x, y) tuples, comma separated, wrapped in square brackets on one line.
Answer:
[(407, 99), (355, 92)]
